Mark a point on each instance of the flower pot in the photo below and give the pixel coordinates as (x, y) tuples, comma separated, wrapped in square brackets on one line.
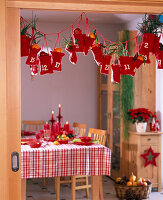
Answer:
[(141, 127)]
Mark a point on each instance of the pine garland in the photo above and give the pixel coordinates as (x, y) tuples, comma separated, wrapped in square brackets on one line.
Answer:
[(126, 94)]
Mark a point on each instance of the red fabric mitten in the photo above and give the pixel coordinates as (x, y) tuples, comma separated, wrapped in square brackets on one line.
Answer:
[(57, 59), (25, 45), (138, 62), (127, 65), (145, 55), (45, 63), (156, 45), (116, 73), (32, 58), (159, 58), (105, 65), (88, 42), (147, 44), (79, 40), (71, 49), (34, 70), (97, 53)]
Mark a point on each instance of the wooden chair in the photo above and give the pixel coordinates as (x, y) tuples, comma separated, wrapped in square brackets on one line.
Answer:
[(79, 128), (32, 125), (97, 134)]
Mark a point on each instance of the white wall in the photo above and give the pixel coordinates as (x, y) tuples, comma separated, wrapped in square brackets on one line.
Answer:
[(75, 88), (159, 88)]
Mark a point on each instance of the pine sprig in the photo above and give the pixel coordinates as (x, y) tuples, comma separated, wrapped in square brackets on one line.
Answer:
[(150, 24)]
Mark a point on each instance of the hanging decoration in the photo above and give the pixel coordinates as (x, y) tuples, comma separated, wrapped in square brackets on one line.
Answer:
[(150, 157), (83, 39)]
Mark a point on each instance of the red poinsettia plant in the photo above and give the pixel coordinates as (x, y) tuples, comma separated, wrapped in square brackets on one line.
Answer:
[(139, 115)]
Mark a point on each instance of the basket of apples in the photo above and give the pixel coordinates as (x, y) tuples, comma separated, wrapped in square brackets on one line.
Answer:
[(133, 188)]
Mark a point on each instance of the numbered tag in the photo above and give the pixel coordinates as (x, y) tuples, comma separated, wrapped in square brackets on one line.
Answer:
[(146, 45), (32, 60), (145, 57), (127, 67), (44, 67), (57, 65), (107, 67)]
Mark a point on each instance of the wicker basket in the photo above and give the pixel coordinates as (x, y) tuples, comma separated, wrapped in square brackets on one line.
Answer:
[(144, 191)]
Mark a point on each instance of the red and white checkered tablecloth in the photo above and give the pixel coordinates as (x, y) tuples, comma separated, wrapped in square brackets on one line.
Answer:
[(64, 160)]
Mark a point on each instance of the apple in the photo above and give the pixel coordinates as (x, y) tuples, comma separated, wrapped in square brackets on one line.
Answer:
[(139, 181), (145, 184)]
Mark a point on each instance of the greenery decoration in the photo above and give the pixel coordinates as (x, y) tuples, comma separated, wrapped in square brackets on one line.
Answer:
[(126, 93), (150, 24)]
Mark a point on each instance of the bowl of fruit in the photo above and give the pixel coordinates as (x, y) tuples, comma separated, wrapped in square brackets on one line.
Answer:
[(133, 187)]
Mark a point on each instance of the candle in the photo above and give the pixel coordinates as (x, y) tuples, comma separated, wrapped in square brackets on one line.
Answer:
[(59, 109), (52, 115), (55, 128), (67, 126)]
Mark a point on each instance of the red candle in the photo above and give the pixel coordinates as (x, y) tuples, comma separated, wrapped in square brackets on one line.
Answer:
[(67, 126), (55, 128), (59, 109), (52, 115)]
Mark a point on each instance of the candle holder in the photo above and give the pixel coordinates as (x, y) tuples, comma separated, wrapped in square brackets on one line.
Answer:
[(59, 120), (52, 121)]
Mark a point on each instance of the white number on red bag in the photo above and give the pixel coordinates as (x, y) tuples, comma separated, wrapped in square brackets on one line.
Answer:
[(32, 60), (127, 67), (44, 67), (146, 45), (159, 62), (107, 67), (57, 64)]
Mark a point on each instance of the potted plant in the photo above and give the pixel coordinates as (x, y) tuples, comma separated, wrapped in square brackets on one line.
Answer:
[(140, 117)]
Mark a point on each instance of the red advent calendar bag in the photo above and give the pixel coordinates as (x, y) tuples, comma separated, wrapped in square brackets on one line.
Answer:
[(105, 65), (71, 49), (116, 75), (127, 65), (88, 42), (159, 58), (138, 62), (145, 55), (147, 43), (25, 45), (97, 53), (57, 59), (79, 40), (32, 58), (45, 63)]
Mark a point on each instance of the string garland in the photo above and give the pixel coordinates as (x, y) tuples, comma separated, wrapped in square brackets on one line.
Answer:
[(80, 42)]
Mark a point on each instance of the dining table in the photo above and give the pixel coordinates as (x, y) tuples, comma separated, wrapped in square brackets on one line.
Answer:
[(51, 160)]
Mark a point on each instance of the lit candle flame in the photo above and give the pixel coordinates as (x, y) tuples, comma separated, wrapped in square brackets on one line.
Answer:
[(52, 112), (59, 105), (67, 122)]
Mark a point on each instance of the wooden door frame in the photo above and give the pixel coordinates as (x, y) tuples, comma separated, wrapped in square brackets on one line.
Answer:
[(10, 70)]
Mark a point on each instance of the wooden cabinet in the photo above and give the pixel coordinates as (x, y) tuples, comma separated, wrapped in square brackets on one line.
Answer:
[(139, 143)]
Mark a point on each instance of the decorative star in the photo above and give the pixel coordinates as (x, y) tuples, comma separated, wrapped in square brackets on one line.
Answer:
[(150, 157)]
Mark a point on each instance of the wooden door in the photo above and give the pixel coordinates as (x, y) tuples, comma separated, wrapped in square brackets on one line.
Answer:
[(10, 70)]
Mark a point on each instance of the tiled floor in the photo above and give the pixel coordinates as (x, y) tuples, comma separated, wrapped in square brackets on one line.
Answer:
[(35, 191)]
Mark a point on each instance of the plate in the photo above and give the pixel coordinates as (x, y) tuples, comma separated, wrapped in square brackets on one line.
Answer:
[(83, 143), (27, 133), (35, 144), (85, 139)]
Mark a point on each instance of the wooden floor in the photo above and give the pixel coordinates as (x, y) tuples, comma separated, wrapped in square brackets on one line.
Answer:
[(35, 191)]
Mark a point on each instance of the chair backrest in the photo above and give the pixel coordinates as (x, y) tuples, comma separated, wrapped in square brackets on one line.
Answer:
[(79, 128), (33, 125), (98, 134)]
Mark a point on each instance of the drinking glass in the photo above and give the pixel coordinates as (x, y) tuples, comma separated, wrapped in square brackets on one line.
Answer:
[(47, 135)]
